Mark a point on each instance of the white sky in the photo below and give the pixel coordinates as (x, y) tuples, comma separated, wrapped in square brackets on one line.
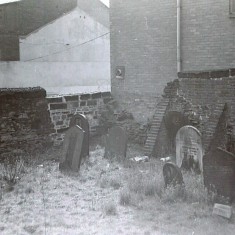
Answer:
[(106, 2), (6, 1)]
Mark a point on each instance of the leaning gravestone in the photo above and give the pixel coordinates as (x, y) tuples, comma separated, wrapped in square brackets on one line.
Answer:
[(219, 173), (81, 120), (116, 143), (72, 149), (189, 148), (172, 174)]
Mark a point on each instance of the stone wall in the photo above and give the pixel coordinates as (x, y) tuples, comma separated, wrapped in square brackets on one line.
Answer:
[(62, 108), (24, 120)]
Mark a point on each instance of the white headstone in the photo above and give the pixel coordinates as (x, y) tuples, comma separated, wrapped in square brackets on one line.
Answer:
[(189, 145)]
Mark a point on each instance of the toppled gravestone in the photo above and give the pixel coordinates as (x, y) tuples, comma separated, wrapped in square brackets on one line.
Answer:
[(189, 148), (81, 120), (219, 173), (72, 149), (116, 143)]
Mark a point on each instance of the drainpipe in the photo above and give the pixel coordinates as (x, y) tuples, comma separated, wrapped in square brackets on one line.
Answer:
[(178, 36)]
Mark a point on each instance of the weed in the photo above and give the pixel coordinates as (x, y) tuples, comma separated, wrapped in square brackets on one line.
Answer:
[(150, 188), (195, 190), (135, 183), (104, 182), (125, 198), (115, 183), (29, 190), (110, 209), (173, 194), (12, 168)]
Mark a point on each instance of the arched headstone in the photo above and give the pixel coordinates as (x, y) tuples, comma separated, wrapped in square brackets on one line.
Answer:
[(189, 147), (81, 120), (116, 143), (72, 149), (172, 174)]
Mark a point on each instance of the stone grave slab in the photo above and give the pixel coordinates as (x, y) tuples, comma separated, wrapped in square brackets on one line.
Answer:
[(172, 174), (81, 120), (219, 173), (72, 149), (222, 210), (189, 150), (116, 143)]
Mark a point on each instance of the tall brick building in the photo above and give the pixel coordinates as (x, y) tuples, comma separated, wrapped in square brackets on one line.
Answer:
[(144, 46)]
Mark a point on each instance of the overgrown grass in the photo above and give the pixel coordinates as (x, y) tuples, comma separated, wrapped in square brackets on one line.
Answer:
[(146, 180), (195, 190)]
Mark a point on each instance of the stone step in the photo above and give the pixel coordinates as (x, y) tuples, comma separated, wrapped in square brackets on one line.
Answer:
[(156, 124), (153, 133), (151, 136)]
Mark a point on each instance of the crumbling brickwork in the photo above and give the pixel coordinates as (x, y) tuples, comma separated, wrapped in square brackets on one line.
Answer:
[(205, 100)]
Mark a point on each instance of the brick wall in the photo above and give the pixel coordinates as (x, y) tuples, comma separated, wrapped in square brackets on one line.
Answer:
[(143, 39), (24, 120), (62, 108), (207, 35)]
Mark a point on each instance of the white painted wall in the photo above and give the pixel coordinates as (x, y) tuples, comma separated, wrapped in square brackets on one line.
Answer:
[(71, 52), (56, 77), (74, 37)]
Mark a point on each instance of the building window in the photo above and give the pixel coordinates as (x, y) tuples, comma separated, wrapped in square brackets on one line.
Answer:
[(232, 7)]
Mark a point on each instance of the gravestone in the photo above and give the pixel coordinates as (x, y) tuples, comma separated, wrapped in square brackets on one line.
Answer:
[(189, 151), (172, 174), (72, 149), (116, 143), (219, 173), (222, 210), (81, 120)]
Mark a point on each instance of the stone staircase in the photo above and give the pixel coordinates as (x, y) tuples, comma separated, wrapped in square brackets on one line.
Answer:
[(232, 119), (155, 127)]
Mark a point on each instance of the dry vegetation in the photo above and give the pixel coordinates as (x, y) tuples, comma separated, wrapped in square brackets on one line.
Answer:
[(106, 197)]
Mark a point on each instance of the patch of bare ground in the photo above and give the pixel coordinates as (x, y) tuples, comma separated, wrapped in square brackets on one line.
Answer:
[(107, 197)]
